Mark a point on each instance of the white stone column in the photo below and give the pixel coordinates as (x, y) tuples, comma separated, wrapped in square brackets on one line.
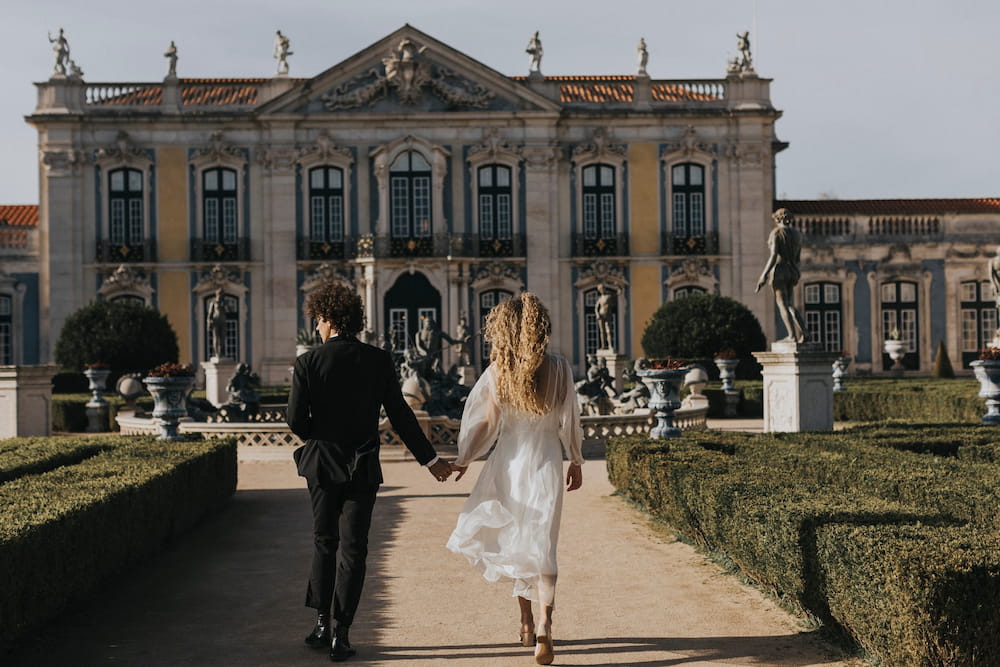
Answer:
[(217, 374), (543, 225), (26, 401), (798, 388)]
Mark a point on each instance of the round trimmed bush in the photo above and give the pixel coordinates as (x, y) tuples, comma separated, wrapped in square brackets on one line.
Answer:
[(699, 326), (128, 337)]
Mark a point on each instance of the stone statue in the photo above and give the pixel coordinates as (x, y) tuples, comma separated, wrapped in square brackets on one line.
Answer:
[(462, 342), (217, 310), (782, 272), (994, 265), (61, 47), (281, 52), (534, 52), (604, 310), (242, 392), (597, 390), (643, 57), (171, 56), (743, 46), (428, 345), (635, 398)]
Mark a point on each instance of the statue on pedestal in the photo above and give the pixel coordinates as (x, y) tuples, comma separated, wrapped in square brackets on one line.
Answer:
[(61, 47), (462, 342), (782, 272), (282, 50), (743, 46), (604, 311), (242, 394), (643, 57), (171, 56), (534, 52), (994, 268), (217, 311)]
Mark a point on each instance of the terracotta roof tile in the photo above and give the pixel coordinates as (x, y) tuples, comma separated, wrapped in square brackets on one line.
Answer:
[(888, 206), (19, 215)]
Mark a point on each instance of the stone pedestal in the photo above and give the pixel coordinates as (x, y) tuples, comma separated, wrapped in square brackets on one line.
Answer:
[(732, 407), (26, 401), (616, 364), (466, 376), (798, 388), (217, 374)]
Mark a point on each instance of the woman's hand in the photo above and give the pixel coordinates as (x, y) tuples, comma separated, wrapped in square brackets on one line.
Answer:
[(459, 469), (574, 477)]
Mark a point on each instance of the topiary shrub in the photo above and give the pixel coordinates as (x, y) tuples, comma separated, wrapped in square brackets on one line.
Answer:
[(126, 336), (697, 327)]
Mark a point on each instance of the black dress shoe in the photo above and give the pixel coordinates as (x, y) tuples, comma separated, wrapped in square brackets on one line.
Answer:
[(320, 636), (341, 650)]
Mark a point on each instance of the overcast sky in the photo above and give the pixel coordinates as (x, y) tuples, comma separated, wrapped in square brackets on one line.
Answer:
[(881, 98)]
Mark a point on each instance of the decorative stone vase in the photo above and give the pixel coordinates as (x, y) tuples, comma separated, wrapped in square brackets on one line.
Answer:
[(727, 372), (664, 397), (840, 372), (169, 402), (988, 374), (97, 407), (896, 349)]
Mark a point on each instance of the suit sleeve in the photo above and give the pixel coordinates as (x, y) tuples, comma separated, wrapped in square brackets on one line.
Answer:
[(402, 417), (299, 416)]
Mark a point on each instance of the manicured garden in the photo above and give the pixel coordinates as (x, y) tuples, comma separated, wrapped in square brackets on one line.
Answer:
[(887, 533)]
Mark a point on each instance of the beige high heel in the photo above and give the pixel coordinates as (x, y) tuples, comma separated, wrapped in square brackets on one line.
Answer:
[(544, 655), (527, 638)]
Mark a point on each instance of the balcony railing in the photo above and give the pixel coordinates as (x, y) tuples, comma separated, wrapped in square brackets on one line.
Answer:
[(337, 250), (437, 245), (117, 253), (218, 251), (690, 244), (609, 246)]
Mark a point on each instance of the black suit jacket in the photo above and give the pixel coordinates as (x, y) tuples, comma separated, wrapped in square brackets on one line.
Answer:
[(337, 390)]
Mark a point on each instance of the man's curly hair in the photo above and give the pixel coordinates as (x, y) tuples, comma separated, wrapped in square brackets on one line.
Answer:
[(339, 305)]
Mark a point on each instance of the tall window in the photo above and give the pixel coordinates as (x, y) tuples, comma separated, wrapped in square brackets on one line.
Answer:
[(6, 330), (591, 335), (125, 207), (487, 300), (219, 194), (231, 343), (398, 329), (688, 187), (823, 315), (495, 217), (326, 204), (978, 318), (688, 290), (899, 311), (410, 196), (130, 299), (599, 202)]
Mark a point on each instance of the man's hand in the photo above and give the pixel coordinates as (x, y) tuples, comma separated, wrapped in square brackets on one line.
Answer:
[(441, 469), (460, 470), (574, 477)]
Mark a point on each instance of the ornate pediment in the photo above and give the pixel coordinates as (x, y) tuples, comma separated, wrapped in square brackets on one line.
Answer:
[(495, 273), (328, 273), (218, 276), (124, 150), (325, 150), (218, 150), (408, 72), (601, 272), (493, 146), (689, 145), (599, 147)]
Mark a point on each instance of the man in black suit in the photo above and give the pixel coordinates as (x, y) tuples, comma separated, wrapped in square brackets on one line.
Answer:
[(337, 390)]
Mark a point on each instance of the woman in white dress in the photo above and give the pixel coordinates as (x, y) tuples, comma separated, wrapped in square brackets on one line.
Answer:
[(525, 404)]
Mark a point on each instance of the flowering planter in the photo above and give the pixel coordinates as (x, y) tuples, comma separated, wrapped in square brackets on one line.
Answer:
[(169, 402), (988, 374), (840, 372), (664, 397), (727, 372)]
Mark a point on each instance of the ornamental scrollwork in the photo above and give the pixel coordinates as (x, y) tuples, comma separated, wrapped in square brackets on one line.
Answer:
[(602, 272), (218, 149), (493, 145), (599, 146), (216, 277), (325, 150), (496, 273), (328, 273), (124, 150)]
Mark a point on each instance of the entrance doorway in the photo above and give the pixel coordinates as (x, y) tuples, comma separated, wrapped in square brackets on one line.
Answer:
[(407, 301)]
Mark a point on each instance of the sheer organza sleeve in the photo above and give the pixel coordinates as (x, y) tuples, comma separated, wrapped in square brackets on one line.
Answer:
[(570, 430), (480, 421)]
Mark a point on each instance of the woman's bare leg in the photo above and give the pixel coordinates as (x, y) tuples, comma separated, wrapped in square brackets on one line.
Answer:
[(547, 599), (527, 618)]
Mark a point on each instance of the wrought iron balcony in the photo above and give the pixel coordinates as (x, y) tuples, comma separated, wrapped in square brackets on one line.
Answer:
[(438, 245), (610, 246), (118, 253), (336, 250), (218, 251), (694, 244)]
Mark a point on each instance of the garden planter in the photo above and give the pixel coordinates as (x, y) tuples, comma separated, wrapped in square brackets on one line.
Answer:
[(727, 372), (840, 372), (896, 349), (988, 374), (664, 398), (169, 402), (97, 407)]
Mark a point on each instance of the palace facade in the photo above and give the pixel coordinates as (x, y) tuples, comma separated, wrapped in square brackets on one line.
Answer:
[(436, 186)]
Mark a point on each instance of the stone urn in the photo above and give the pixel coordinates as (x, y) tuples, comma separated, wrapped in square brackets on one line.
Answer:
[(988, 374), (169, 402), (896, 349), (727, 372), (664, 397), (840, 372), (97, 407)]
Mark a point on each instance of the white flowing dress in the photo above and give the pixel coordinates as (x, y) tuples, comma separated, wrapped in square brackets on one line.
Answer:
[(509, 525)]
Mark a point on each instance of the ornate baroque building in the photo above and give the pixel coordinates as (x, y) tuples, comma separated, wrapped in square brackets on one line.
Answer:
[(436, 186)]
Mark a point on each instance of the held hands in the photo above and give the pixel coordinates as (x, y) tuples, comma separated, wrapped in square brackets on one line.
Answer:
[(574, 477), (441, 469), (460, 470)]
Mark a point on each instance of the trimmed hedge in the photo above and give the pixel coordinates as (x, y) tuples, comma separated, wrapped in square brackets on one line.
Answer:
[(27, 456), (65, 531), (833, 523)]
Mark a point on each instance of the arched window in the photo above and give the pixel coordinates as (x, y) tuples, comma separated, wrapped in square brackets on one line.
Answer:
[(487, 300), (6, 330), (599, 202), (495, 214), (126, 224), (591, 335), (688, 187), (823, 315), (899, 312), (130, 299), (326, 204), (978, 318), (688, 290), (219, 213), (231, 343), (410, 196)]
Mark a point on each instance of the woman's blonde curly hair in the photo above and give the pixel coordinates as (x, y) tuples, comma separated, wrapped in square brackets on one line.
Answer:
[(519, 330)]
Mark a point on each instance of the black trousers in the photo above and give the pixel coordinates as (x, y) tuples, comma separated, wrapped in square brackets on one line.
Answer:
[(342, 515)]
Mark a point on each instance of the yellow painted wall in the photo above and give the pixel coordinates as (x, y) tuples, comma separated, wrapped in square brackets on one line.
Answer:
[(173, 288), (645, 301), (644, 201)]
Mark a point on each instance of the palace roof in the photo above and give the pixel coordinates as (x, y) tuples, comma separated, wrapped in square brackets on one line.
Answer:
[(19, 215), (888, 206)]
